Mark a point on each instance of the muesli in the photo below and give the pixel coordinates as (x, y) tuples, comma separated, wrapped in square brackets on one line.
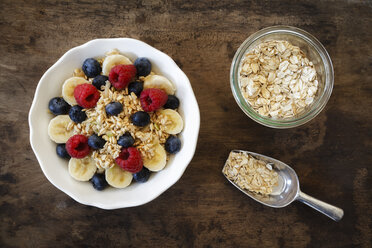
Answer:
[(116, 121)]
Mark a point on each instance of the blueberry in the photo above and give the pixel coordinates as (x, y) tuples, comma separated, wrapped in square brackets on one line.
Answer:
[(140, 118), (173, 144), (126, 140), (91, 68), (135, 87), (142, 176), (99, 181), (114, 108), (58, 106), (96, 142), (76, 114), (172, 102), (61, 151), (143, 66), (99, 80)]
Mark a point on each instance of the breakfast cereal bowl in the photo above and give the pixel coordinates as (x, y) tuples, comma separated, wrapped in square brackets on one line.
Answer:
[(56, 169), (309, 47)]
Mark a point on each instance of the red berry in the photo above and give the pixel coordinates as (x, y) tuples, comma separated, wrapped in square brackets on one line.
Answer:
[(153, 99), (130, 160), (77, 146), (121, 75), (86, 95)]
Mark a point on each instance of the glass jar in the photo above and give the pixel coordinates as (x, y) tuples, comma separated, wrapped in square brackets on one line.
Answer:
[(314, 51)]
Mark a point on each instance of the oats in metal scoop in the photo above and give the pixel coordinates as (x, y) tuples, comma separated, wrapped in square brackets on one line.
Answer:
[(250, 173)]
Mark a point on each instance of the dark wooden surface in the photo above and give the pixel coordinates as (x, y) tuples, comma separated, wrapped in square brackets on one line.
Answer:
[(331, 154)]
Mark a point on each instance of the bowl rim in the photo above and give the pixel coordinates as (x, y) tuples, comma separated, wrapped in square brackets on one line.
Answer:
[(193, 142), (298, 120)]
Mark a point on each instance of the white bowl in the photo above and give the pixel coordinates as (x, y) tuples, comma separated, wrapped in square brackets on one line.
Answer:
[(55, 168)]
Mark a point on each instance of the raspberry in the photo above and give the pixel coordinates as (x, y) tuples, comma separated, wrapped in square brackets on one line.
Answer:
[(121, 75), (130, 160), (86, 95), (77, 146), (153, 99)]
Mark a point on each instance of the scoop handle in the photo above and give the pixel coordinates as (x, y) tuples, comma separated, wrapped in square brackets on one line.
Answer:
[(331, 211)]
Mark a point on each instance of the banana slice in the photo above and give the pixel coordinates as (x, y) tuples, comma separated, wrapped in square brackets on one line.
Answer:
[(174, 122), (117, 177), (159, 82), (69, 87), (57, 129), (113, 60), (82, 169), (158, 161)]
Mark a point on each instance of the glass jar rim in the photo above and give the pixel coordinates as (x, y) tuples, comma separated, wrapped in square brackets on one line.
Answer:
[(315, 109)]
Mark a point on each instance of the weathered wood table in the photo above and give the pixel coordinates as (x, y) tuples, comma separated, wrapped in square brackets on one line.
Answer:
[(331, 154)]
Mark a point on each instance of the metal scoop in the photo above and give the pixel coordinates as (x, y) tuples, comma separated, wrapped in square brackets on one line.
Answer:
[(287, 190)]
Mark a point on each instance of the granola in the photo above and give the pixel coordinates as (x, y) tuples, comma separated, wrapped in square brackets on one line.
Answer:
[(112, 127), (115, 113)]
